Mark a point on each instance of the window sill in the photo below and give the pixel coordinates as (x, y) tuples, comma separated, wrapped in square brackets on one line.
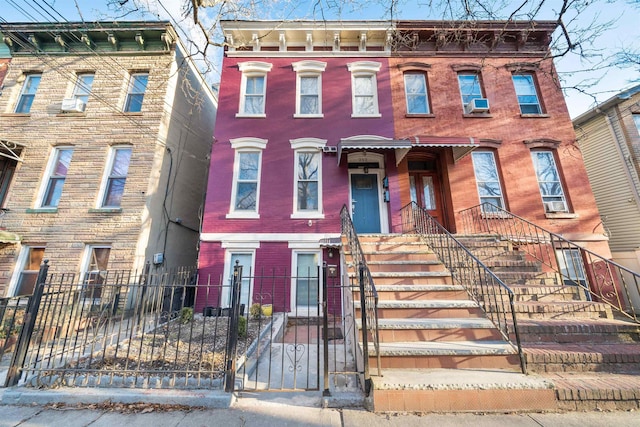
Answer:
[(105, 210), (304, 215), (243, 215), (131, 113), (477, 115), (419, 116), (251, 116), (367, 116), (535, 116), (561, 215), (42, 210), (308, 116), (15, 115)]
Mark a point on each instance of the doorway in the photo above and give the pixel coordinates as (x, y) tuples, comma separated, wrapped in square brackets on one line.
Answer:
[(425, 187)]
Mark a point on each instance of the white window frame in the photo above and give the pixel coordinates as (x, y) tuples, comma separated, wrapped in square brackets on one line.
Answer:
[(307, 145), (23, 93), (294, 308), (472, 96), (104, 185), (308, 69), (636, 121), (562, 196), (225, 294), (20, 265), (48, 175), (495, 164), (81, 90), (86, 259), (531, 80), (253, 69), (364, 69), (130, 91), (245, 145), (426, 91)]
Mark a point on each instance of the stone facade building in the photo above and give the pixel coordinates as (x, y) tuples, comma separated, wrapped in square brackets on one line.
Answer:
[(105, 131)]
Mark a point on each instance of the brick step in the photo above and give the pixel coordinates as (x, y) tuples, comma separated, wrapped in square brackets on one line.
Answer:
[(368, 247), (526, 278), (411, 330), (394, 309), (389, 238), (597, 331), (445, 354), (502, 265), (405, 266), (596, 391), (555, 357), (545, 293), (562, 310), (418, 278), (460, 390), (417, 292)]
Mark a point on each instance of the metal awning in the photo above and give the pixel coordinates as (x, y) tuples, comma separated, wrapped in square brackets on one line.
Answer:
[(11, 149), (460, 145), (9, 237), (375, 144)]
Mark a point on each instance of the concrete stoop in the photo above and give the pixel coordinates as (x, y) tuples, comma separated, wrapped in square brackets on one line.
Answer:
[(460, 390)]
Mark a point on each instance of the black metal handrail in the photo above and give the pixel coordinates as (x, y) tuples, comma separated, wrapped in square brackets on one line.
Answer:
[(601, 279), (494, 297), (368, 294)]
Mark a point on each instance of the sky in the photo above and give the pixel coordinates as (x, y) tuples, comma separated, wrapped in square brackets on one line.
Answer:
[(574, 69)]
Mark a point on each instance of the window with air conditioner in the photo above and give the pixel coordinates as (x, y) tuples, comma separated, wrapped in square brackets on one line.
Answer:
[(473, 99), (549, 183)]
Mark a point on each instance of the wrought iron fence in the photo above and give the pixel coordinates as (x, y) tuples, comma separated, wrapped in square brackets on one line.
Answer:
[(12, 314), (601, 279), (495, 298), (368, 295)]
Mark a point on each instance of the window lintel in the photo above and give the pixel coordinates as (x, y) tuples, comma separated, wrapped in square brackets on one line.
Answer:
[(414, 66), (255, 67), (248, 142), (309, 143), (522, 67), (315, 67), (475, 68), (364, 67), (549, 143)]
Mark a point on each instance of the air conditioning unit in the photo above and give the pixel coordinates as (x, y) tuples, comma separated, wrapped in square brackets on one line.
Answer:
[(477, 105), (330, 149), (72, 105), (551, 207)]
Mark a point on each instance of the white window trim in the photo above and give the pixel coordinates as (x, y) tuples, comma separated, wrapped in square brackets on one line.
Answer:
[(563, 195), (304, 311), (495, 163), (309, 69), (535, 90), (86, 258), (78, 84), (307, 145), (245, 145), (19, 267), (47, 176), (477, 76), (130, 92), (107, 172), (253, 69), (27, 77), (364, 69), (426, 91), (225, 294)]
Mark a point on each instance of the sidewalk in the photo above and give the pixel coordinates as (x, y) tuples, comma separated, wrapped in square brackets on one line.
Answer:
[(294, 411)]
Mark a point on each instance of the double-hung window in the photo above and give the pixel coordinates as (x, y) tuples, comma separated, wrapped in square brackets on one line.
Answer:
[(135, 92), (116, 176), (307, 177), (82, 88), (527, 94), (28, 93), (309, 88), (307, 282), (245, 192), (415, 88), (487, 180), (253, 88), (29, 263), (95, 269), (470, 88), (553, 197), (58, 168), (636, 120), (364, 88)]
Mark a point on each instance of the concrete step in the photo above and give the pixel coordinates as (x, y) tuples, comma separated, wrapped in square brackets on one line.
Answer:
[(405, 266), (419, 292), (409, 278), (460, 390), (421, 309), (398, 255), (389, 238), (555, 357), (446, 354), (411, 330)]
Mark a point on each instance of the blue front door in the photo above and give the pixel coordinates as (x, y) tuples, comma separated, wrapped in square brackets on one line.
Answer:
[(365, 204)]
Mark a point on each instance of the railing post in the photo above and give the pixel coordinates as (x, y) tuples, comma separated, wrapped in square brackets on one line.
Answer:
[(325, 330), (232, 334), (365, 330), (20, 354)]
